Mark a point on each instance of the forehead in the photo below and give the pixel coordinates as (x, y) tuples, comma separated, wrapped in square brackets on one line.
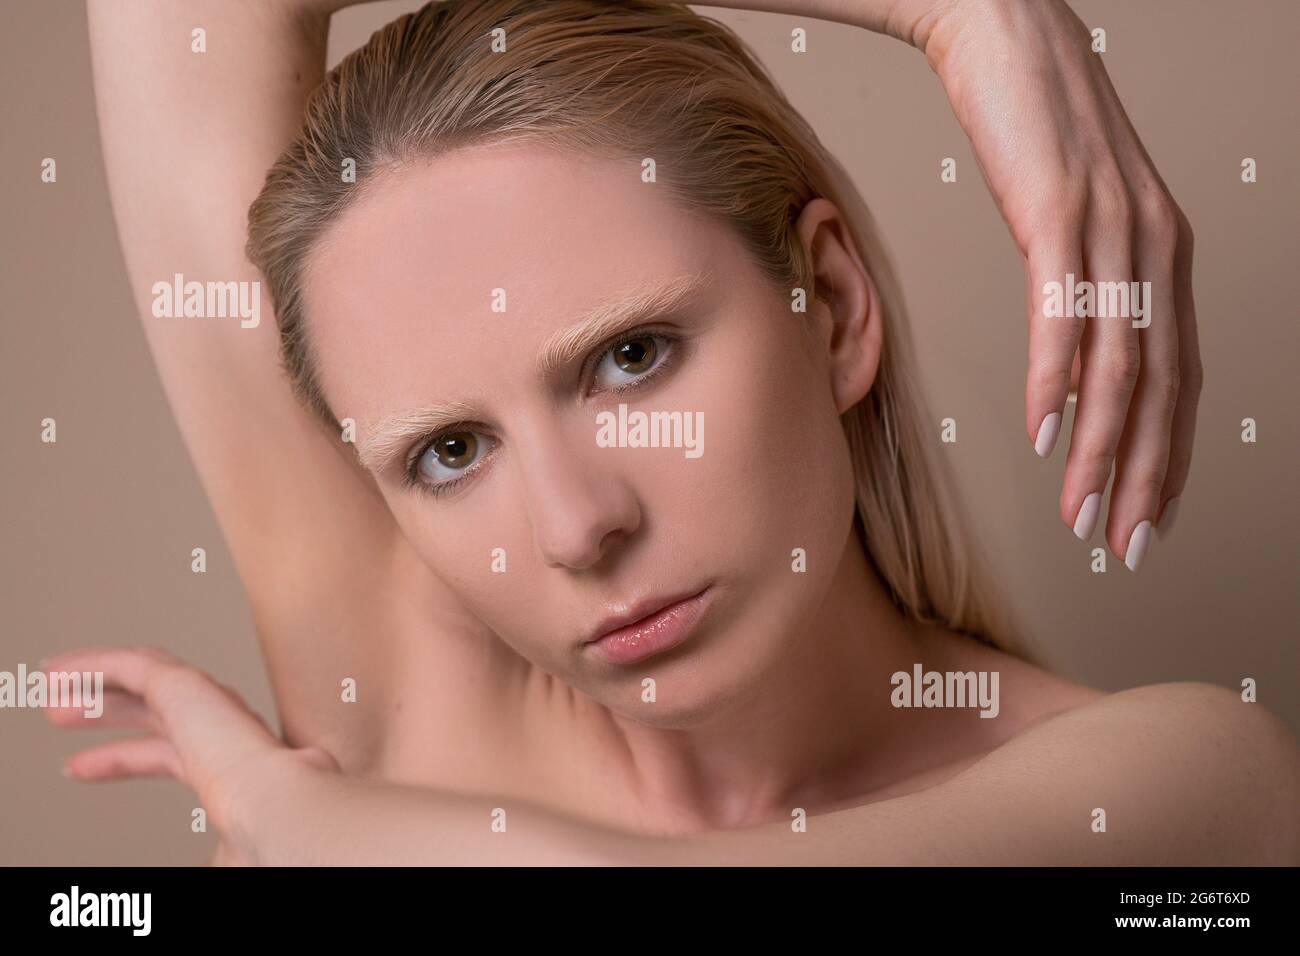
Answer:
[(411, 271)]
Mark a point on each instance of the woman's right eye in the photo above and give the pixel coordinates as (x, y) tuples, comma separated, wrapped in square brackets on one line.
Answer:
[(450, 455)]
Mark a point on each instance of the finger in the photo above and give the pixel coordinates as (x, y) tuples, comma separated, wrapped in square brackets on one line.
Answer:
[(1110, 358), (129, 757), (1053, 338), (1143, 460), (1183, 430), (60, 658), (1189, 378), (125, 670), (118, 709), (200, 717), (207, 726)]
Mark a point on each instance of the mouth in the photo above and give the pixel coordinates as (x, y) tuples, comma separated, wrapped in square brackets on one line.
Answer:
[(648, 628)]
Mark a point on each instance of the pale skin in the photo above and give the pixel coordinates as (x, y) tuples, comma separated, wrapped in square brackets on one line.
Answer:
[(348, 573)]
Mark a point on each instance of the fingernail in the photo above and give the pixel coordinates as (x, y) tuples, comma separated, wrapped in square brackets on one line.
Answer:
[(1086, 521), (1167, 518), (1047, 432), (1137, 545)]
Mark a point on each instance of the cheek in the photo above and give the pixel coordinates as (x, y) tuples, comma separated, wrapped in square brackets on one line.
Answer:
[(778, 474), (482, 551)]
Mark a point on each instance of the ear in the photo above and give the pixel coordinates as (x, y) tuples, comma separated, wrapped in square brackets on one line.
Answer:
[(846, 308)]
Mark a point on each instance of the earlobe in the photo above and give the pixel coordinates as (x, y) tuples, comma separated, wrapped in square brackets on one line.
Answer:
[(845, 293)]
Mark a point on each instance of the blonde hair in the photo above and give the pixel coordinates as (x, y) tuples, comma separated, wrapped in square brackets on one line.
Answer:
[(632, 79)]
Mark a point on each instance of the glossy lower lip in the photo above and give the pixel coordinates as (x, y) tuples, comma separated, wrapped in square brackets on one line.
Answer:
[(653, 634)]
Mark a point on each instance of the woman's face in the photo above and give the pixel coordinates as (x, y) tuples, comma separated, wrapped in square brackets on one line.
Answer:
[(482, 317)]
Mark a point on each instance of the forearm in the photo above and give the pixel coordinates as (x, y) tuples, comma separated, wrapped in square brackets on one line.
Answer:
[(911, 21), (1030, 802), (187, 139), (295, 816), (190, 123), (175, 116)]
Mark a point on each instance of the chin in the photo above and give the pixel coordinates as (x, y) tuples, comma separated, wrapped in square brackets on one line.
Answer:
[(691, 689)]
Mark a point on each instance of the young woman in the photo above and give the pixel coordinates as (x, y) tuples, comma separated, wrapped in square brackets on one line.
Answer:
[(568, 652)]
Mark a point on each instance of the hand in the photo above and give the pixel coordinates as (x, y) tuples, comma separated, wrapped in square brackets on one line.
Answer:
[(1082, 197), (196, 730)]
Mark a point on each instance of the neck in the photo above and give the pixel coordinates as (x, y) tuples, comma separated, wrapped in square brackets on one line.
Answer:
[(812, 734)]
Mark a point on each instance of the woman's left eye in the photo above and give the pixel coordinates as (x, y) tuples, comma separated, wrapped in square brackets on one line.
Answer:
[(629, 360)]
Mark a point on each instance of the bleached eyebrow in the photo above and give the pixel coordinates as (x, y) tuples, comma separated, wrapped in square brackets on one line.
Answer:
[(387, 441), (606, 321), (379, 447)]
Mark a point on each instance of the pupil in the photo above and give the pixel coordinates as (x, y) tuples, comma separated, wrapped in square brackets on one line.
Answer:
[(456, 448), (633, 356)]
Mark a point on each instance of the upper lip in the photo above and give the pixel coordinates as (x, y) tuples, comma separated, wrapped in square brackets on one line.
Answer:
[(639, 611)]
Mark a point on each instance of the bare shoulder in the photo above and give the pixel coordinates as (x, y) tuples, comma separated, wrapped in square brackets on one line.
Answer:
[(1027, 693), (1193, 720), (1184, 774), (1180, 773)]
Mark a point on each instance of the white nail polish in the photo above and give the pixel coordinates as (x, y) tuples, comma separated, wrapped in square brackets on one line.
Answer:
[(1167, 518), (1137, 545), (1086, 520), (1047, 432)]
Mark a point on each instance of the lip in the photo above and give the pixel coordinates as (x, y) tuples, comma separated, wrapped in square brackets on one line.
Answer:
[(648, 628)]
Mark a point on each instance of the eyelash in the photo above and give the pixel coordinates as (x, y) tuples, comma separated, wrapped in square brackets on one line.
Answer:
[(411, 477), (669, 359)]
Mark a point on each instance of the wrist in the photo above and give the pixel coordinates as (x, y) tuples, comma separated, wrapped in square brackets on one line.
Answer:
[(255, 800), (916, 22)]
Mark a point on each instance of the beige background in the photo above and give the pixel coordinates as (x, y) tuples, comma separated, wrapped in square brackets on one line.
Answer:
[(98, 528)]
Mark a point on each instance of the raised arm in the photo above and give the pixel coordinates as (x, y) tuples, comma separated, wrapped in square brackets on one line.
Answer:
[(187, 139), (1084, 202)]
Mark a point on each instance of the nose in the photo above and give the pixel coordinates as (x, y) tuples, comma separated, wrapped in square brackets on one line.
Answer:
[(579, 505)]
